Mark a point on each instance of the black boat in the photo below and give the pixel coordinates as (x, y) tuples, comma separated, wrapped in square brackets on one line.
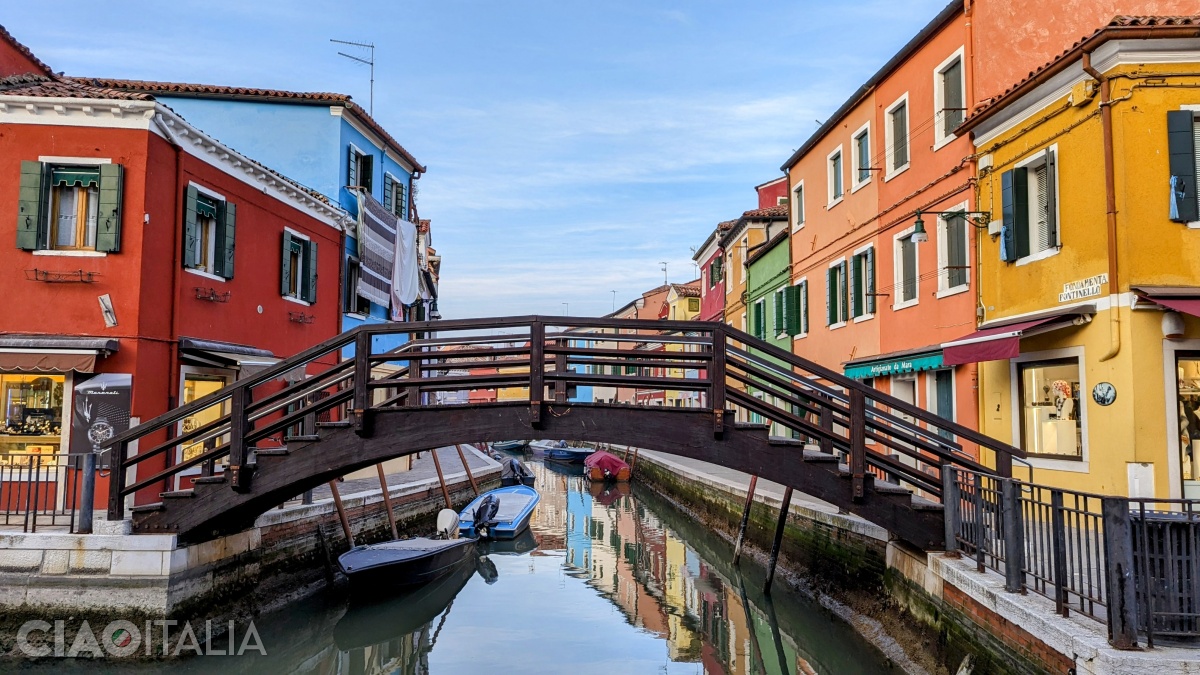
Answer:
[(513, 472), (403, 563)]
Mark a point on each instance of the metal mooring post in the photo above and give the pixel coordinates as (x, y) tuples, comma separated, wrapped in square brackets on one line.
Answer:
[(741, 538), (783, 514), (437, 464), (1118, 552), (467, 468), (341, 511), (87, 494)]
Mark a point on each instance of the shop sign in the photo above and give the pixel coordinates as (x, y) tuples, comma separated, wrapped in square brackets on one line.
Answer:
[(1084, 288), (895, 367), (100, 410)]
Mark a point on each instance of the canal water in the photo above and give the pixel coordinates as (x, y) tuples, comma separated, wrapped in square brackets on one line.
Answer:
[(610, 580)]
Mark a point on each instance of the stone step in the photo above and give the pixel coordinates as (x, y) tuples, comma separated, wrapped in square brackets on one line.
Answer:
[(147, 508), (210, 480), (178, 494), (818, 456), (750, 426), (785, 441), (339, 424), (922, 504), (884, 487), (272, 452)]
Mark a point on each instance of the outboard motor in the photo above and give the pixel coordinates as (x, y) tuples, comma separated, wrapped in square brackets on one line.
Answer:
[(484, 513), (487, 570)]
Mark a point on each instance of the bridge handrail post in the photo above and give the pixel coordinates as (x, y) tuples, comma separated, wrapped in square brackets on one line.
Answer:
[(238, 422), (716, 377), (560, 368), (858, 444), (362, 378), (537, 367), (952, 508), (116, 484), (1014, 535)]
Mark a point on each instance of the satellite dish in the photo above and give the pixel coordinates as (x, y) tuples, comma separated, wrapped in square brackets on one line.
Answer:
[(447, 523)]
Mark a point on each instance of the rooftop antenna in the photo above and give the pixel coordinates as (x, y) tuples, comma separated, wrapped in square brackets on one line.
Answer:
[(370, 62), (695, 264), (614, 302), (664, 269)]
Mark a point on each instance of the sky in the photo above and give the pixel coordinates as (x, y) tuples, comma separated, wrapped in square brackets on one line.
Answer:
[(573, 147)]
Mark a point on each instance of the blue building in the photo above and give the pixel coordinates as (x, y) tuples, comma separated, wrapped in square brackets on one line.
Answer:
[(326, 142)]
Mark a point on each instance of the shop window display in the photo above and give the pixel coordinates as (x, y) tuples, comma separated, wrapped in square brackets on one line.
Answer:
[(1188, 386), (33, 406), (1050, 414)]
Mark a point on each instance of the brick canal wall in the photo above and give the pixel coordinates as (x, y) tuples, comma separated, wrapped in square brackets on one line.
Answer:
[(847, 562)]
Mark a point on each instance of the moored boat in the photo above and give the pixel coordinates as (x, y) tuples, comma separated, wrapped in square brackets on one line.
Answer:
[(510, 446), (560, 452), (602, 466), (404, 563), (513, 472), (502, 513)]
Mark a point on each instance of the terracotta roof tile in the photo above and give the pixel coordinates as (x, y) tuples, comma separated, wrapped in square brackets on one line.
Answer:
[(777, 211), (25, 51), (55, 86), (222, 91), (985, 107), (687, 290)]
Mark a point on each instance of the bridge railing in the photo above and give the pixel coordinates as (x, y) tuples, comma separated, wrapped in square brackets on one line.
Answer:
[(543, 362)]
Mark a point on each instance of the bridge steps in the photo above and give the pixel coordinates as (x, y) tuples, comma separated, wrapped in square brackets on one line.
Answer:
[(280, 452), (178, 494), (818, 456), (210, 480)]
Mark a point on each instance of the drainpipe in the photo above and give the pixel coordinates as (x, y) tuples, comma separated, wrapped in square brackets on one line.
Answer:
[(1110, 200)]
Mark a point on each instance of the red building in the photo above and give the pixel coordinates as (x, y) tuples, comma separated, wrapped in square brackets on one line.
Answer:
[(139, 245), (772, 193)]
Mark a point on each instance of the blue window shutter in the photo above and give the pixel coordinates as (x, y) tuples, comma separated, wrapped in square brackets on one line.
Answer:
[(351, 167), (1181, 149), (1008, 228), (388, 193)]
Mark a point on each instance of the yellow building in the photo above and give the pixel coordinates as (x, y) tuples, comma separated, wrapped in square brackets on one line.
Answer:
[(1088, 343), (682, 304)]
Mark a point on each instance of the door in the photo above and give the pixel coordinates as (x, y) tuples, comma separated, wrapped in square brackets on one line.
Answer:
[(196, 384), (1187, 412)]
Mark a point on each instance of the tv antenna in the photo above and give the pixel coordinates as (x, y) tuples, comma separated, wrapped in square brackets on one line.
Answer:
[(369, 62), (664, 271)]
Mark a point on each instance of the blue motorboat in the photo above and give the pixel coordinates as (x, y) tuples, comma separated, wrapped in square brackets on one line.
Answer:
[(560, 452), (502, 513)]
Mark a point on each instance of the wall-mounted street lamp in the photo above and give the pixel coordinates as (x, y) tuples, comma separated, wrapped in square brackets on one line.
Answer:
[(976, 218)]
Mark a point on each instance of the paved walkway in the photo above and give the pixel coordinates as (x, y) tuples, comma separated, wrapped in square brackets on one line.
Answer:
[(422, 469)]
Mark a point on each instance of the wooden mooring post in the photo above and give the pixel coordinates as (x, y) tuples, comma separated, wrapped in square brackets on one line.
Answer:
[(341, 511), (783, 514), (741, 538), (387, 500), (467, 468)]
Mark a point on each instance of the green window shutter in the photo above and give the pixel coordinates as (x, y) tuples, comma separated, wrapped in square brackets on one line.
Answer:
[(856, 286), (952, 98), (191, 227), (908, 269), (309, 290), (108, 219), (843, 292), (869, 291), (899, 137), (31, 229), (777, 299), (804, 307), (956, 251), (791, 309), (401, 201), (388, 193), (1181, 148), (226, 239), (1052, 196), (351, 167), (285, 285), (830, 295)]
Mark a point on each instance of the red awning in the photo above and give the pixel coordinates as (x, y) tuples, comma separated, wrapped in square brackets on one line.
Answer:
[(995, 344), (1185, 305)]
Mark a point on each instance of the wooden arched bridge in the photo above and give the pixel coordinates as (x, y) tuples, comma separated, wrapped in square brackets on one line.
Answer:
[(737, 402)]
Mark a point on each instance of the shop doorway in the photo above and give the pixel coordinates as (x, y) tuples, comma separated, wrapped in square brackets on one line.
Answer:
[(1187, 414), (196, 384)]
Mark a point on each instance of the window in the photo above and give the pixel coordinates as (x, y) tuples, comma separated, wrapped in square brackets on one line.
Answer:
[(949, 101), (299, 267), (835, 177), (798, 205), (780, 201), (897, 136), (906, 271), (33, 416), (954, 263), (1183, 147), (862, 157), (209, 233), (355, 303), (358, 169), (744, 249), (1029, 207), (715, 270), (836, 311), (796, 308), (395, 197), (69, 207), (862, 283), (1050, 414), (758, 318)]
